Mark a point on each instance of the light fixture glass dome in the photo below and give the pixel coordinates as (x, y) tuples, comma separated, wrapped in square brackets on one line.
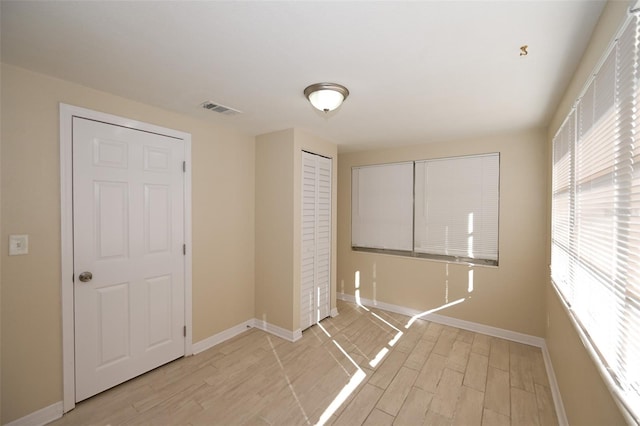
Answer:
[(326, 96)]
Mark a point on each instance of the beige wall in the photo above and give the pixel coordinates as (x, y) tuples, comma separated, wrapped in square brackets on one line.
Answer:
[(586, 398), (223, 228), (510, 296), (274, 229), (278, 223)]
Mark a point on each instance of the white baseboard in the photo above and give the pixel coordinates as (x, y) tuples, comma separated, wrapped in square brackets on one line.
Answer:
[(289, 335), (453, 322), (555, 389), (218, 338), (41, 417), (483, 329), (334, 312), (227, 334)]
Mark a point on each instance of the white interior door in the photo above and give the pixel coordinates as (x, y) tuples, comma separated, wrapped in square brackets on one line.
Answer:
[(129, 291), (316, 240)]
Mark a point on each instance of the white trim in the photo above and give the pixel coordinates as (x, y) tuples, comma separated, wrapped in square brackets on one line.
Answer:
[(289, 335), (41, 417), (66, 258), (216, 339), (555, 389), (229, 333), (223, 336), (483, 329), (334, 312), (67, 112), (188, 257), (527, 339)]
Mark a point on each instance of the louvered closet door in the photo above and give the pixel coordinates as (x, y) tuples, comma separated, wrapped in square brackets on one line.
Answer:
[(316, 239)]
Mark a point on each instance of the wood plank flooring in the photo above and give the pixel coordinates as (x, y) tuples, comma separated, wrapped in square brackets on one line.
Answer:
[(362, 367)]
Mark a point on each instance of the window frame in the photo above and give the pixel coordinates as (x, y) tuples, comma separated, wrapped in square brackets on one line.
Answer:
[(582, 279), (425, 255)]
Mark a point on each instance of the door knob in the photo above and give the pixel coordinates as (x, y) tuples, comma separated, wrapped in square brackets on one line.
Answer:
[(85, 276)]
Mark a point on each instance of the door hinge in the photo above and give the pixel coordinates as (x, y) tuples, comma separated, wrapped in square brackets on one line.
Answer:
[(184, 166), (184, 331), (184, 249)]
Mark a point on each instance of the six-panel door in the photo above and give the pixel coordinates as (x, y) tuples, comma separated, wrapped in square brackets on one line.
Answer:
[(128, 208)]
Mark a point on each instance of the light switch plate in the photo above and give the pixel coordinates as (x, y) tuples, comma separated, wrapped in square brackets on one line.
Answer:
[(18, 244)]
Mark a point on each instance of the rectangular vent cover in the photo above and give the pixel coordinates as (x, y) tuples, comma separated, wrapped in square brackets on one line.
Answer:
[(221, 109)]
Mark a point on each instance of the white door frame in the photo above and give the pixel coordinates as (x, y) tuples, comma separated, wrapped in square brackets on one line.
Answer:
[(67, 112)]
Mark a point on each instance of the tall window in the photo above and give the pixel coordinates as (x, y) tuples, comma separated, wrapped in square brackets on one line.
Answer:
[(595, 248)]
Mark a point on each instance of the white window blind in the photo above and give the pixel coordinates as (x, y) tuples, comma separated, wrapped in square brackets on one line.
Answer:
[(595, 251), (382, 206), (562, 204), (456, 206), (446, 209)]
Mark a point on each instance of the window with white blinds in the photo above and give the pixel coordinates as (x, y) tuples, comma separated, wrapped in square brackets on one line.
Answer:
[(595, 247), (456, 207), (382, 206), (445, 208)]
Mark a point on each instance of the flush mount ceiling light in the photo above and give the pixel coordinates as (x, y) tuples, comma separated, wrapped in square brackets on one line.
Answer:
[(326, 96)]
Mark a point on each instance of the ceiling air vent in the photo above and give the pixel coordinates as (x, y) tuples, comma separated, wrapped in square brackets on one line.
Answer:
[(220, 109)]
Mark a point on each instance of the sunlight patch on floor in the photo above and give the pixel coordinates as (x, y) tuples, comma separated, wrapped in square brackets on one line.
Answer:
[(425, 313), (385, 321), (375, 361), (395, 339), (358, 377), (286, 377), (347, 390), (324, 329)]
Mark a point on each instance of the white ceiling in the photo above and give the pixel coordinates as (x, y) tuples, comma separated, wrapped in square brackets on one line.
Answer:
[(418, 72)]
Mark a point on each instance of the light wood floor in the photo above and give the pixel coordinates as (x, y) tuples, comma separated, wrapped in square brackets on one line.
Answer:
[(361, 367)]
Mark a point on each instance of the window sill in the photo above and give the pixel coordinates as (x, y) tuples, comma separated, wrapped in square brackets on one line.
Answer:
[(608, 380), (426, 256)]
